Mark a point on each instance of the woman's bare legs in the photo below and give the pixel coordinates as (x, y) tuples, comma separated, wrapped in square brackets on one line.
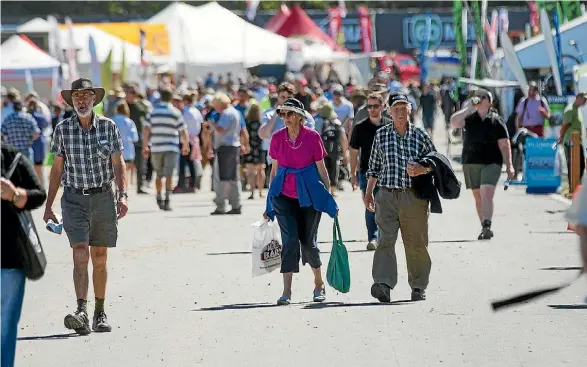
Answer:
[(260, 168)]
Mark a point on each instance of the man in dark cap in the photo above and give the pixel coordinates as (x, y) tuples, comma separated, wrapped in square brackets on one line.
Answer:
[(392, 165)]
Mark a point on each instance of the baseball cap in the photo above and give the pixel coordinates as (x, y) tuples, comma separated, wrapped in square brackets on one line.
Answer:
[(396, 98), (337, 88), (483, 93)]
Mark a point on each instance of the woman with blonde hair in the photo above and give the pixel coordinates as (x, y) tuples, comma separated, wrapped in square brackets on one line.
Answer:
[(129, 134), (256, 158), (298, 195)]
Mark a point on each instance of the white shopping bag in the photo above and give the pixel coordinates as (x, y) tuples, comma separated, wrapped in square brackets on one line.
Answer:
[(266, 247)]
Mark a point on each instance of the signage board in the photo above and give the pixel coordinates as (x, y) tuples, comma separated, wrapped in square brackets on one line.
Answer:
[(542, 171)]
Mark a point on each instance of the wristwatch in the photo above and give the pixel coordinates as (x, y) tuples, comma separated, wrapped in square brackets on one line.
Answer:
[(16, 197), (122, 194)]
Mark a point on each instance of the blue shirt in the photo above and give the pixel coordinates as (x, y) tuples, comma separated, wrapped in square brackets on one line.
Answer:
[(7, 111), (243, 110), (345, 110), (311, 191), (230, 121), (19, 128), (129, 135)]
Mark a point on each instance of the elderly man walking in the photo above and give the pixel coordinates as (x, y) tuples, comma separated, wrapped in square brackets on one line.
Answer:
[(392, 165), (88, 158)]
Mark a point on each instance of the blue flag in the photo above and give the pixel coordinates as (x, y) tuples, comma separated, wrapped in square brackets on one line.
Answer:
[(558, 47)]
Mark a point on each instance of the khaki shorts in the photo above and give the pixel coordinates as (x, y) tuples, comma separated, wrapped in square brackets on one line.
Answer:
[(481, 174), (164, 163)]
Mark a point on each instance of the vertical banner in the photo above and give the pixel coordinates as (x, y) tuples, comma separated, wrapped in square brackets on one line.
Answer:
[(123, 66), (550, 7), (95, 68), (142, 44), (491, 30), (107, 72), (365, 29), (71, 52), (504, 20), (30, 86), (480, 67), (534, 17), (571, 9), (56, 51), (252, 9), (334, 22), (558, 47), (460, 36), (549, 44), (424, 48)]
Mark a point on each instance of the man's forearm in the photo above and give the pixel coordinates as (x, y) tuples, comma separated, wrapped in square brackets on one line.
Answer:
[(54, 182), (120, 175), (371, 183), (354, 160), (506, 152), (185, 137), (266, 130), (458, 118)]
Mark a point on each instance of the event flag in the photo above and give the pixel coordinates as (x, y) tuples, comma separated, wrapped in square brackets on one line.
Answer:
[(107, 72), (95, 68), (558, 46), (365, 28), (534, 17), (252, 9), (342, 8), (71, 52), (459, 14), (123, 68), (30, 86)]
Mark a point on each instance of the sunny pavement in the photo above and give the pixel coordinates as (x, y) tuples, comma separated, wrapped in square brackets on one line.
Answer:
[(180, 293)]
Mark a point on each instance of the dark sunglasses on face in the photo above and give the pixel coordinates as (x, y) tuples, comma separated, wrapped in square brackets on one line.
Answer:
[(286, 114), (373, 106)]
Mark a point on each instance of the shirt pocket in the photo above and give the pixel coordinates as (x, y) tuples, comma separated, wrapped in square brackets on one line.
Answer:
[(104, 149)]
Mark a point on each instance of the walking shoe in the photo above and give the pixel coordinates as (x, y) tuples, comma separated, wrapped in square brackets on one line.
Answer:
[(486, 232), (100, 323), (218, 212), (418, 294), (142, 192), (283, 301), (320, 295), (381, 292), (78, 322), (372, 245), (235, 211), (160, 203), (166, 206)]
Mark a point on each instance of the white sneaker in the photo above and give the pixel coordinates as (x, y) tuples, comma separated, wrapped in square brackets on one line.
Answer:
[(372, 245)]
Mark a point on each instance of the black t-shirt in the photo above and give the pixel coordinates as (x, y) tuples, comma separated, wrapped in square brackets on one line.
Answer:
[(480, 139), (362, 140)]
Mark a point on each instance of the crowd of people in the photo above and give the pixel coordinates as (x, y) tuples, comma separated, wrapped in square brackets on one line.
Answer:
[(295, 138)]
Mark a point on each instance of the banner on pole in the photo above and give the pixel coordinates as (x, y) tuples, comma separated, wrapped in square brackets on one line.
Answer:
[(365, 29)]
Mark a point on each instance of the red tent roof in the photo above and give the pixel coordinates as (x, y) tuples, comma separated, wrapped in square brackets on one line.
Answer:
[(298, 23), (277, 20)]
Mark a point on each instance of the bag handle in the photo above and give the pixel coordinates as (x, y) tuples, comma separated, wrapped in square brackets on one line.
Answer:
[(13, 165), (336, 230)]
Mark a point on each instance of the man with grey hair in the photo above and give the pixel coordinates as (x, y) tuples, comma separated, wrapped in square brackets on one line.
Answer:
[(88, 158)]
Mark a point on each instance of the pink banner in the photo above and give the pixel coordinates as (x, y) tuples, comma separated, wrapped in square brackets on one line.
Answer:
[(534, 17), (365, 28), (335, 22)]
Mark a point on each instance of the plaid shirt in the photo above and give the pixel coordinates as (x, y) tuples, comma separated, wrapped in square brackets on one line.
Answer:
[(19, 128), (391, 153), (86, 152)]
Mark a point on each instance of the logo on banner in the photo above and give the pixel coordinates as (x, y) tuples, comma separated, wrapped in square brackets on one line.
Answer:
[(442, 31)]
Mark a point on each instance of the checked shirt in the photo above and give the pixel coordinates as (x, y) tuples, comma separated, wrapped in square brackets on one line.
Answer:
[(86, 153), (391, 153), (18, 129)]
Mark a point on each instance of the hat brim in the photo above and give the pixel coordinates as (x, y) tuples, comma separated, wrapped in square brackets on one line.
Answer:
[(400, 101), (98, 91), (293, 109)]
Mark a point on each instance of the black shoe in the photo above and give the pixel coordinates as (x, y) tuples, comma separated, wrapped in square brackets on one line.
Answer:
[(100, 323), (218, 212), (160, 203), (381, 292), (418, 294), (235, 211), (166, 205), (142, 192), (486, 232), (78, 322)]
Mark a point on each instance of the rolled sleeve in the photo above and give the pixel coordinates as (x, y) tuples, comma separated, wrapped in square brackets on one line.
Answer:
[(57, 143), (376, 159), (116, 140)]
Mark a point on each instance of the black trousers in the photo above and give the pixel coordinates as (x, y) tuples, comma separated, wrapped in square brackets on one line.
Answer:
[(140, 166), (183, 161)]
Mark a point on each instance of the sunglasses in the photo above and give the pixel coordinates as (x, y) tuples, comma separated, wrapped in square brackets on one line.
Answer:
[(286, 114), (373, 106)]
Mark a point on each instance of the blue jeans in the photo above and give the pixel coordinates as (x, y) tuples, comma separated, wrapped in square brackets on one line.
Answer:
[(299, 234), (12, 296), (372, 232)]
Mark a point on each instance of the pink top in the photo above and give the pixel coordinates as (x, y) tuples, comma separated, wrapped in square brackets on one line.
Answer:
[(307, 148)]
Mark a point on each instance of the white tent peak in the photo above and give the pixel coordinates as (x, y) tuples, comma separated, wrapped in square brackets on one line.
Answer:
[(36, 25), (18, 54)]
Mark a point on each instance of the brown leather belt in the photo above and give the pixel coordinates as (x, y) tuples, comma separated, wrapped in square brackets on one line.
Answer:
[(393, 189)]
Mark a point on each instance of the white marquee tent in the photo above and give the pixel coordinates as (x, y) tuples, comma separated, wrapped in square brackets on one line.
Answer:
[(37, 25), (212, 38)]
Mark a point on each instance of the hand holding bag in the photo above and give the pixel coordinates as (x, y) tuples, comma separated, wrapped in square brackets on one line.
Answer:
[(338, 274), (29, 243)]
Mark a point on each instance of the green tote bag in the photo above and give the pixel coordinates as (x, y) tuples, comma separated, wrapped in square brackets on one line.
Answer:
[(339, 272)]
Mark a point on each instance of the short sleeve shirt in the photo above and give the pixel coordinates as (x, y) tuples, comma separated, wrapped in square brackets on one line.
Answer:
[(574, 117), (305, 150), (230, 120), (480, 139)]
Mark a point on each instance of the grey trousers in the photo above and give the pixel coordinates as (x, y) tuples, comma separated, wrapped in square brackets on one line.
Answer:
[(401, 211), (224, 190)]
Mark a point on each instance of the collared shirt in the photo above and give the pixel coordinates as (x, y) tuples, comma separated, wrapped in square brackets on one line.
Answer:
[(391, 153), (165, 122), (86, 152), (572, 114), (230, 120), (193, 119), (19, 128)]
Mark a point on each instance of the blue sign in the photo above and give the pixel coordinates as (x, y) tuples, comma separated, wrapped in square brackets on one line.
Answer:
[(542, 170), (442, 31)]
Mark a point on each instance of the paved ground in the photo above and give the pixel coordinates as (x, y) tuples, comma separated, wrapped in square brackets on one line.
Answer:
[(181, 294)]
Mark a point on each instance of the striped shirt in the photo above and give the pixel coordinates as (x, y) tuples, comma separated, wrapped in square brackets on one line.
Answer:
[(165, 122), (391, 153), (86, 153)]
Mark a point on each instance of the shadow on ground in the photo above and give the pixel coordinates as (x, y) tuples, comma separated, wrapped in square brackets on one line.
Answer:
[(48, 337), (569, 307), (562, 268), (316, 306), (243, 306)]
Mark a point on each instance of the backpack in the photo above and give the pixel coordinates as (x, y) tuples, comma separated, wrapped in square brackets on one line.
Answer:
[(331, 131)]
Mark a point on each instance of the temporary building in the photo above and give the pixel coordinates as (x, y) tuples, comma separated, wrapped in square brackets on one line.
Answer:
[(19, 56), (277, 20), (211, 38), (299, 24), (36, 25)]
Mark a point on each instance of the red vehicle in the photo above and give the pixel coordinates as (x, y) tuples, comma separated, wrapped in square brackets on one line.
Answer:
[(403, 66)]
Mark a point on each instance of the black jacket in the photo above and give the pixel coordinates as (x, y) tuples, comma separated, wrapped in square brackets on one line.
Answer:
[(442, 181)]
